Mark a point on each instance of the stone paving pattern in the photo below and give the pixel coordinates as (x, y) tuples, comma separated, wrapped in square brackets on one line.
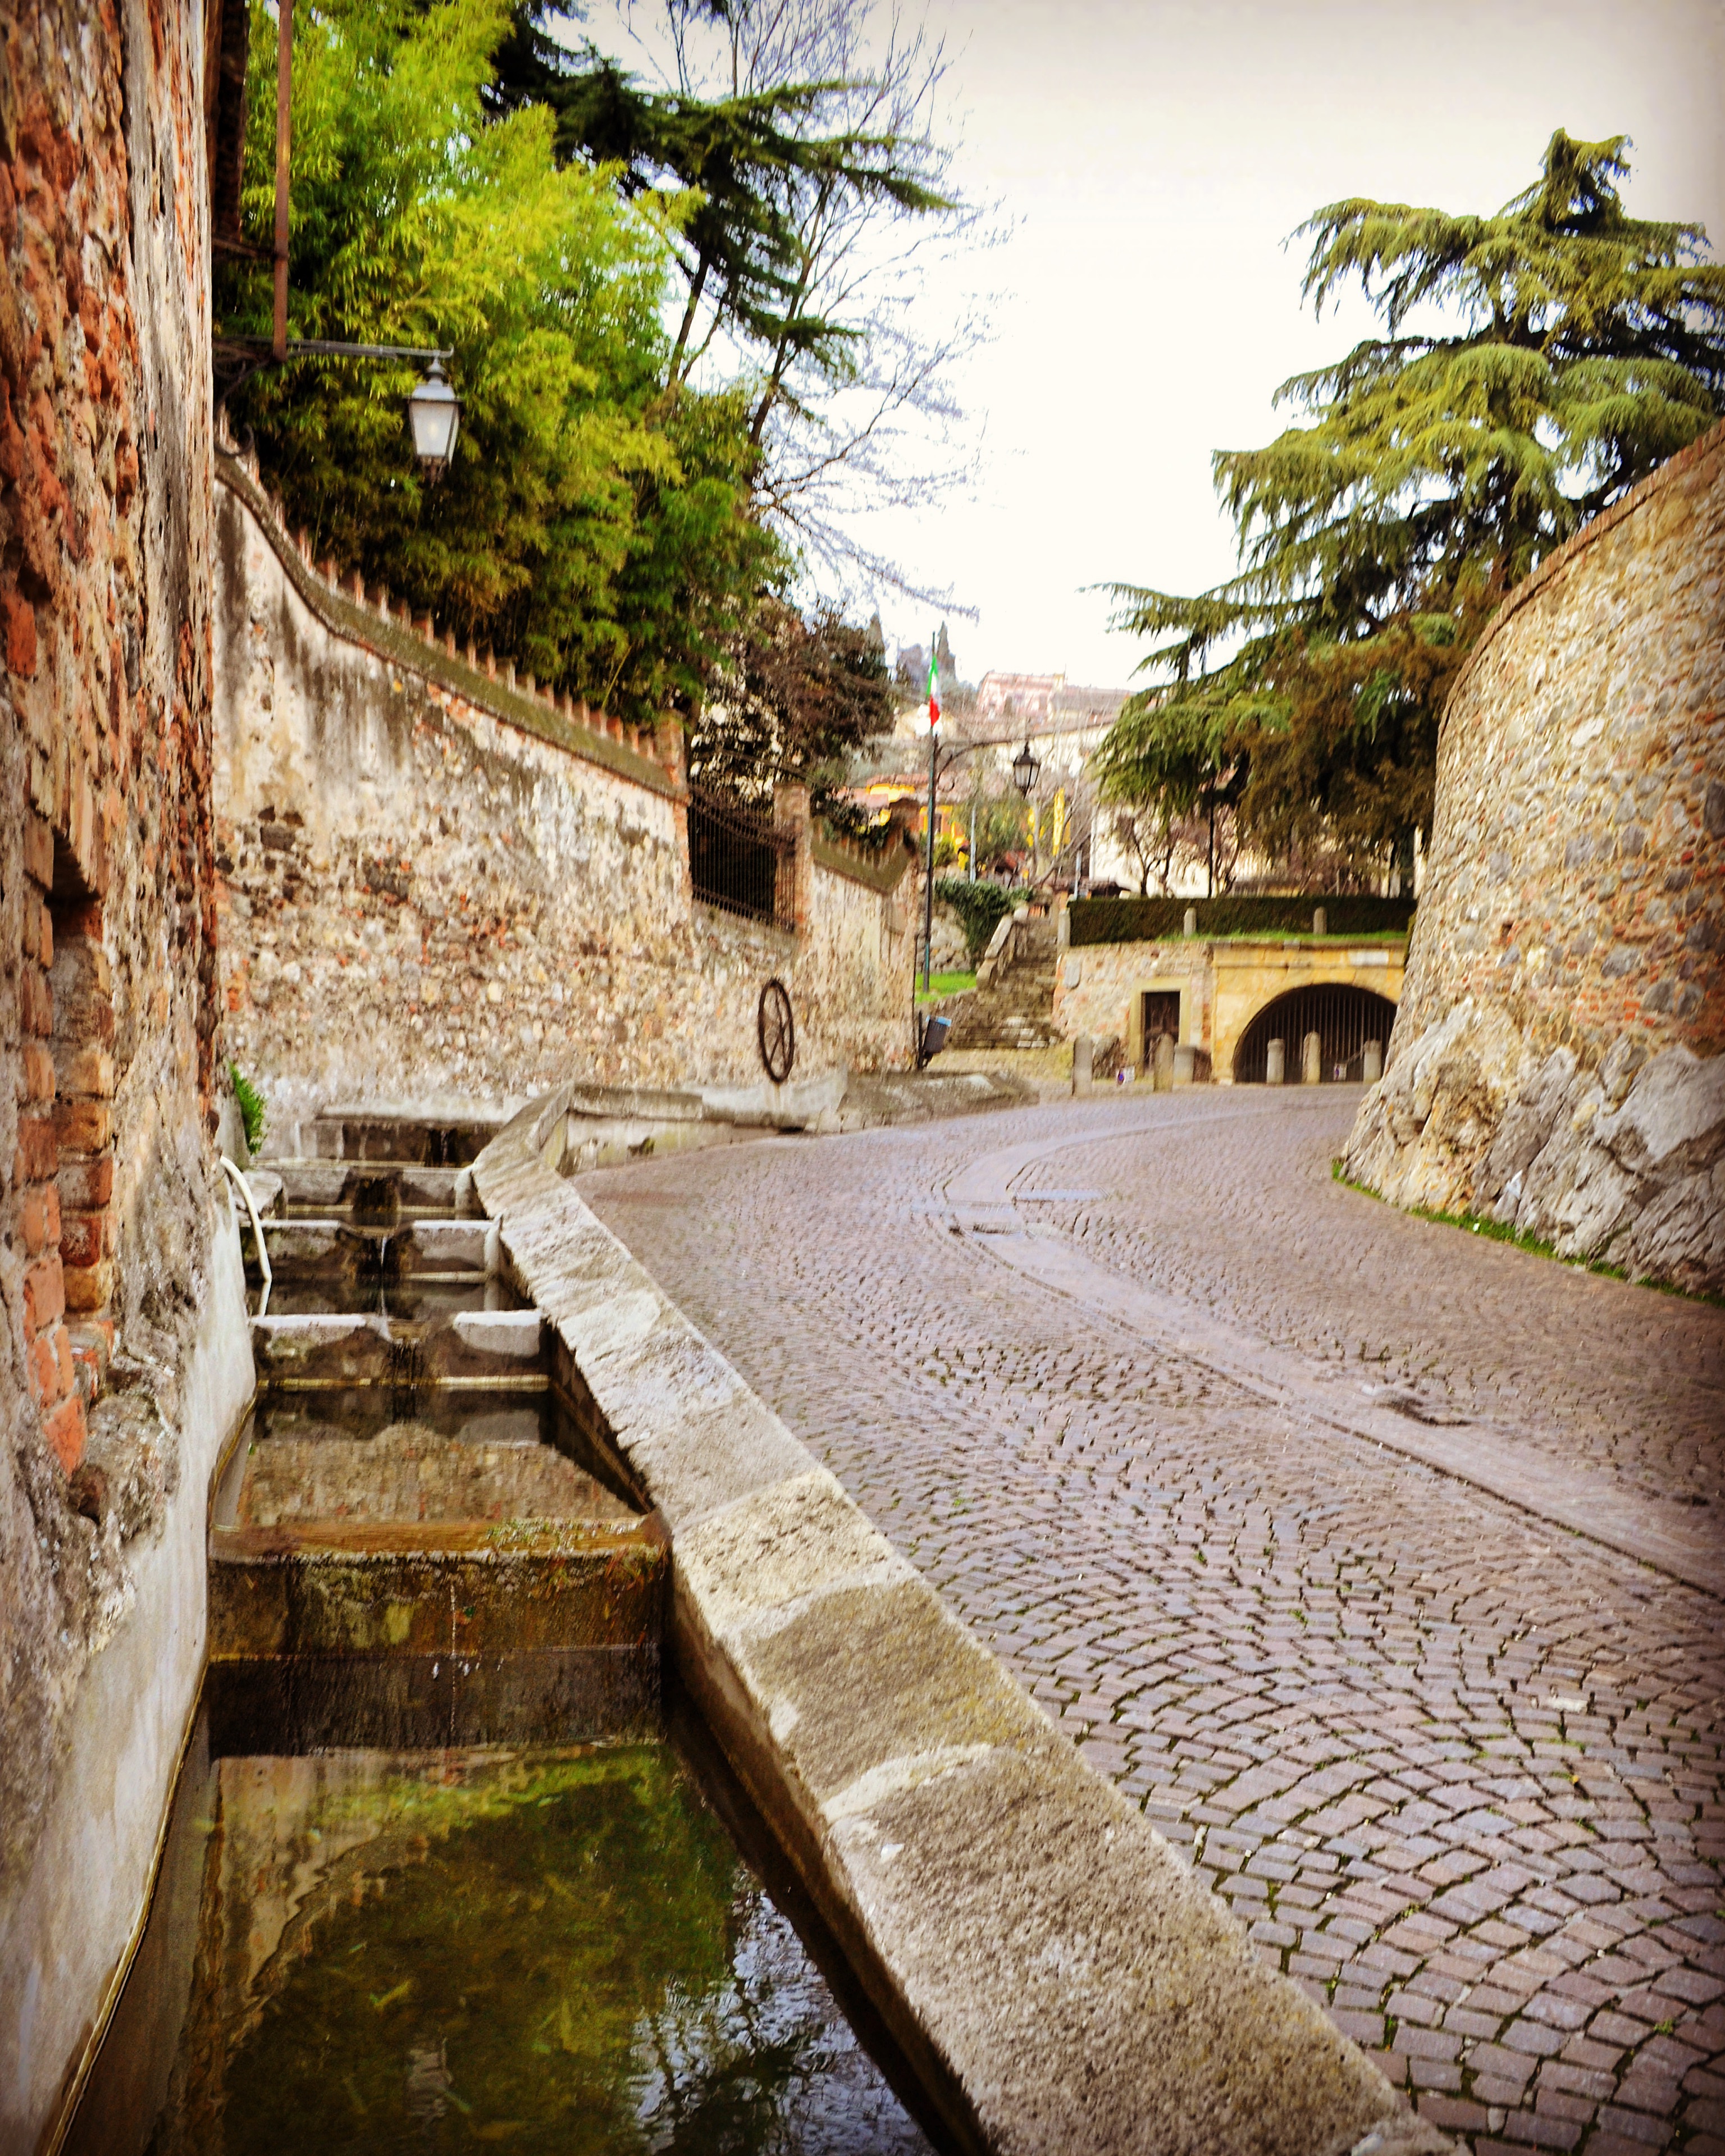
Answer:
[(1458, 1771)]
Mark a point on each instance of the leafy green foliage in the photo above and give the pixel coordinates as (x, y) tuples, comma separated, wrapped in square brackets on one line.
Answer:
[(606, 541), (1148, 920), (1534, 365), (744, 161), (251, 1107), (813, 204), (981, 907)]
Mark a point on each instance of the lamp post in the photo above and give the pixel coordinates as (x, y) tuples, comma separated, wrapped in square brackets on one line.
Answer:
[(1025, 766), (283, 129), (934, 758), (433, 410)]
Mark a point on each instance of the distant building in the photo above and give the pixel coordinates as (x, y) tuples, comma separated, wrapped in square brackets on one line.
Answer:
[(1064, 723)]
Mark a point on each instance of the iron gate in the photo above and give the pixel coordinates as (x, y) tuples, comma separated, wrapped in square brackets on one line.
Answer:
[(1344, 1019), (1162, 1014), (738, 861)]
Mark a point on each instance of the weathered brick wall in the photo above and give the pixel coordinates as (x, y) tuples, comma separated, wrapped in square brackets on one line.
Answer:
[(107, 1009), (437, 887), (1557, 1061)]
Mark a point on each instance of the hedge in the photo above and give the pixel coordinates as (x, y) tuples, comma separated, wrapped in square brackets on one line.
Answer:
[(1146, 920), (980, 907)]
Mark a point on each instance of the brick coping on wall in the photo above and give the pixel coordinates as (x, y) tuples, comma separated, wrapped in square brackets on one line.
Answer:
[(1663, 475), (881, 869), (566, 724)]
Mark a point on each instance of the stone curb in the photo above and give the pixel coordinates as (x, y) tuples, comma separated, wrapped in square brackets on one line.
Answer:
[(1050, 1970)]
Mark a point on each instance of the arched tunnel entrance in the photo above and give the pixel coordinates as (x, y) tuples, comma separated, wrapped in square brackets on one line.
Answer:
[(1344, 1018)]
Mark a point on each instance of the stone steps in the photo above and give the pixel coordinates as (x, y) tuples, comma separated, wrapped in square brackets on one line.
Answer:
[(1016, 1009)]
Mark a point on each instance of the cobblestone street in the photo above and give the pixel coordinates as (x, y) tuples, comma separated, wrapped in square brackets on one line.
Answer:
[(1457, 1767)]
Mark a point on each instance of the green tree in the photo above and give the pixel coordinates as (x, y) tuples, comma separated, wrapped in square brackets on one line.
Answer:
[(802, 695), (744, 160), (1168, 758), (800, 133), (1534, 365), (604, 541)]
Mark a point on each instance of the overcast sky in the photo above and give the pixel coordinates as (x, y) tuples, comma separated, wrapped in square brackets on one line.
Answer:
[(1154, 157)]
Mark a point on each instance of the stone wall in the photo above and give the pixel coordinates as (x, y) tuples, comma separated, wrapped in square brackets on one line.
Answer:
[(1222, 986), (1558, 1062), (440, 887), (108, 1014)]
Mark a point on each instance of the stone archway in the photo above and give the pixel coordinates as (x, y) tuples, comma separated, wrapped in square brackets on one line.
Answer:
[(1344, 1015)]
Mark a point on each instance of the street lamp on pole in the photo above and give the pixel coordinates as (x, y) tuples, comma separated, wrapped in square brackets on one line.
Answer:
[(1025, 766), (934, 758), (433, 410)]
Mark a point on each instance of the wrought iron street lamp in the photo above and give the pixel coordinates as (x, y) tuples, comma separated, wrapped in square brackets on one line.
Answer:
[(434, 411), (1025, 766)]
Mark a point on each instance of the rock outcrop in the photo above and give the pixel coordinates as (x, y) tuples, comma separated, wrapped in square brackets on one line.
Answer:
[(1623, 1164)]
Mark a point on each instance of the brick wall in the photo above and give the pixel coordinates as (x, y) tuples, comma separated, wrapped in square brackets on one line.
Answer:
[(107, 969), (437, 886), (1565, 1007)]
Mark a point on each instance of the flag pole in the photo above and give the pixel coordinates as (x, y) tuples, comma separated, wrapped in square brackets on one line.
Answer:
[(928, 892)]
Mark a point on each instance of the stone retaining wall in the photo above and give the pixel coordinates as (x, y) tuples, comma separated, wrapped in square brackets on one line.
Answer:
[(1558, 1062), (437, 884), (1099, 989)]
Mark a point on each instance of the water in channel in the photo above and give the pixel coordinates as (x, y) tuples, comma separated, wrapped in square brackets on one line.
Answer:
[(531, 1949)]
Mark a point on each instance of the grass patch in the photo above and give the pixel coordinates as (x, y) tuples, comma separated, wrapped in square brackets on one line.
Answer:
[(944, 984), (1504, 1231), (251, 1107)]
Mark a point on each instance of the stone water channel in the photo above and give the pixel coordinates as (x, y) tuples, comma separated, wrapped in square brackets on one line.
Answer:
[(446, 1867)]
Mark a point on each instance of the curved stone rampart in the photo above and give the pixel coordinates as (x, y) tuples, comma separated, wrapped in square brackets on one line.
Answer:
[(1557, 1059)]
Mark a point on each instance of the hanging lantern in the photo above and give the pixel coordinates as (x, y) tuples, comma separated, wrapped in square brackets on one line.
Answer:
[(1025, 765), (434, 411)]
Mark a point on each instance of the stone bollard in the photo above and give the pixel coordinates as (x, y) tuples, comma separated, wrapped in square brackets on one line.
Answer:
[(1372, 1061), (1185, 1063), (1320, 922), (1191, 927), (1083, 1050), (1275, 1059), (1164, 1080), (1063, 929), (1312, 1061)]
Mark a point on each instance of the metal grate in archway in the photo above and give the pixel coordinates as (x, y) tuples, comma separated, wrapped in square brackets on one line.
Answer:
[(1344, 1018)]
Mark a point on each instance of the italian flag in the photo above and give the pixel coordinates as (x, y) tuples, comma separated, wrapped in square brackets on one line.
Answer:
[(934, 687)]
